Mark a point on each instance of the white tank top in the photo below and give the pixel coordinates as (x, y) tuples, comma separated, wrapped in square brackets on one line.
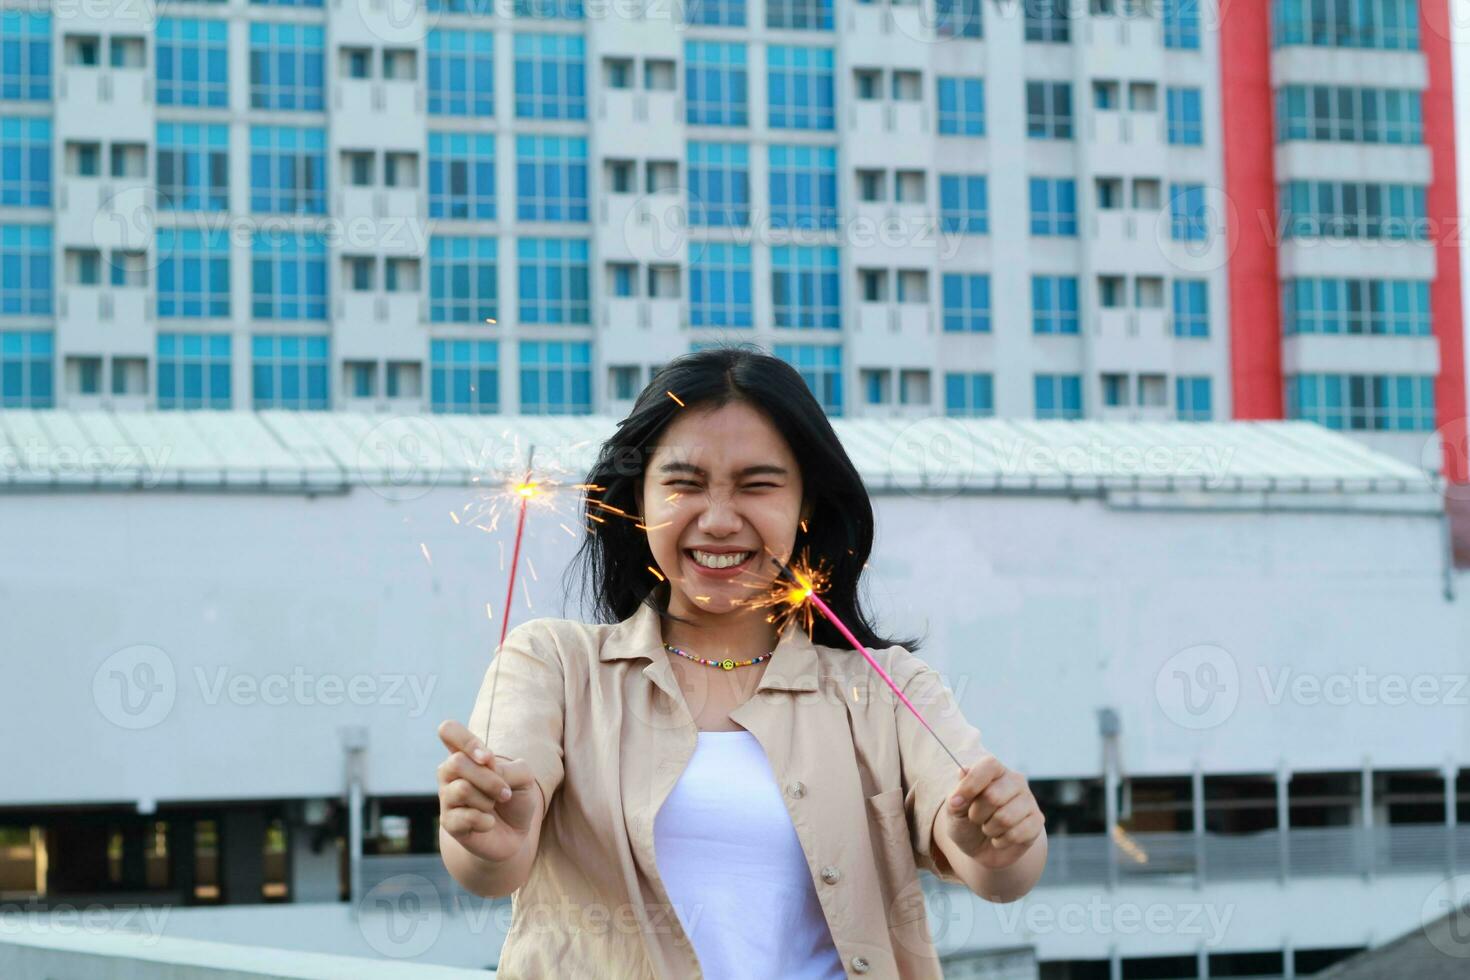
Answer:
[(735, 871)]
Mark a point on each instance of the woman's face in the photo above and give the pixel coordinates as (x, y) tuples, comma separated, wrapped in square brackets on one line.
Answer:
[(722, 486)]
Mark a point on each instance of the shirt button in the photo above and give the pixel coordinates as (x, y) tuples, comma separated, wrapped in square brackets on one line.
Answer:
[(797, 789), (830, 875), (859, 964)]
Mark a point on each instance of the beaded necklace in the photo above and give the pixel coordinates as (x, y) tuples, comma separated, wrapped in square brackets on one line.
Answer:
[(724, 664)]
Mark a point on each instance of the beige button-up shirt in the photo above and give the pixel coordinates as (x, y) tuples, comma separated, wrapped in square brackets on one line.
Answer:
[(598, 714)]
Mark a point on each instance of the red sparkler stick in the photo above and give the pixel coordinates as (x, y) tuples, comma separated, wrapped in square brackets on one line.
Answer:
[(832, 618), (515, 561)]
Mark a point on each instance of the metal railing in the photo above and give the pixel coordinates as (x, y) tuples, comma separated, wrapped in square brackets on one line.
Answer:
[(1307, 852)]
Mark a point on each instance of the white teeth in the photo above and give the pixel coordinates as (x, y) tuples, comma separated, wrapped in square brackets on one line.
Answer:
[(720, 561)]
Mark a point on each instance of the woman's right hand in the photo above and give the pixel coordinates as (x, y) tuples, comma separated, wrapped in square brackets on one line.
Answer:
[(471, 807)]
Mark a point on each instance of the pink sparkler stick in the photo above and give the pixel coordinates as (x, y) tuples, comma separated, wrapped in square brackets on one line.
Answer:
[(822, 607), (515, 561)]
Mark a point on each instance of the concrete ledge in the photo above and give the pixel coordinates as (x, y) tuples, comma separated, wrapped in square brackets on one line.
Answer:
[(129, 956)]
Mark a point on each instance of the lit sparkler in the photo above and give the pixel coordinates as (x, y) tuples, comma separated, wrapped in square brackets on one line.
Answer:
[(801, 592), (525, 491)]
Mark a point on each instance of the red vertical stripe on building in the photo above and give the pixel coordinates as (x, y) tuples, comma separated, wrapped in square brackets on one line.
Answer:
[(1250, 220), (1442, 204)]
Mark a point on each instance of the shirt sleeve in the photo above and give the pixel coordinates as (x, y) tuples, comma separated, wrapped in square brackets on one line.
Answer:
[(929, 774), (530, 703)]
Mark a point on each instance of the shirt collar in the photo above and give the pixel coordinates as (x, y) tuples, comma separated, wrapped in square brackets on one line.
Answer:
[(793, 664)]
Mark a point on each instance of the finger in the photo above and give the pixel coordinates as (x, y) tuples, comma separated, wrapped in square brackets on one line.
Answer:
[(457, 738), (461, 792), (1006, 817), (1024, 834), (485, 779), (516, 772), (462, 821), (978, 775), (996, 795)]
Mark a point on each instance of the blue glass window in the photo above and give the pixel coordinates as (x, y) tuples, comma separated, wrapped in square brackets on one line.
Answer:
[(550, 74), (25, 162), (461, 73), (714, 13), (549, 9), (1353, 209), (964, 204), (193, 273), (806, 288), (1058, 396), (1386, 25), (966, 302), (553, 280), (1385, 307), (969, 395), (1054, 304), (1189, 218), (958, 18), (288, 276), (464, 376), (462, 283), (25, 270), (288, 170), (1191, 308), (719, 184), (1049, 110), (1181, 24), (27, 369), (286, 67), (556, 377), (961, 106), (821, 368), (193, 167), (715, 82), (193, 370), (289, 371), (193, 62), (803, 184), (25, 56), (1349, 114), (800, 15), (1192, 398), (720, 285), (1364, 402), (799, 87), (551, 178), (462, 176), (1053, 206), (1186, 124)]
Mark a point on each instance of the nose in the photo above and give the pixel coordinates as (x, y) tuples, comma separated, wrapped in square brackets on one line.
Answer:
[(720, 518)]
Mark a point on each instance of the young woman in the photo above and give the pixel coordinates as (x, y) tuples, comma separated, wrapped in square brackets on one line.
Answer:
[(687, 788)]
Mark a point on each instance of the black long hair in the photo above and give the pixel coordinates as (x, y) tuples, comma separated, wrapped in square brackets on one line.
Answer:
[(614, 558)]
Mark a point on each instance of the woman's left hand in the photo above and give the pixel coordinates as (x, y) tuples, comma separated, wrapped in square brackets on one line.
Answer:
[(996, 819)]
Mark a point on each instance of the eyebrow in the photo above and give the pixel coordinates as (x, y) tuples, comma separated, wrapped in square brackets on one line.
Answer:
[(756, 470)]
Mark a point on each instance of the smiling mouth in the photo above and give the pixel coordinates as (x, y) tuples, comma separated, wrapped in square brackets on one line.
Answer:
[(719, 562)]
